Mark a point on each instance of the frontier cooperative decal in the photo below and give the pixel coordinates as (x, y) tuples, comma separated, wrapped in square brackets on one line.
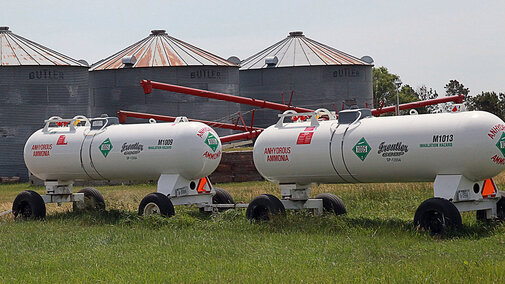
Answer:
[(393, 151)]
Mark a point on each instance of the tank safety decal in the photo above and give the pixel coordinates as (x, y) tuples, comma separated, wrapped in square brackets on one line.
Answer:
[(105, 147), (439, 141), (277, 154), (42, 150), (501, 146), (162, 144), (212, 142), (304, 138), (361, 149), (493, 132), (62, 140)]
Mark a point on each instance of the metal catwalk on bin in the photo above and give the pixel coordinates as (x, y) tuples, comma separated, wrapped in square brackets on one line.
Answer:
[(36, 82), (114, 81), (316, 74)]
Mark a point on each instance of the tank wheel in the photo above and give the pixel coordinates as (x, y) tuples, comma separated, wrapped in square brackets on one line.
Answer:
[(29, 205), (93, 200), (332, 204), (263, 207), (278, 203), (437, 215), (221, 197), (156, 203)]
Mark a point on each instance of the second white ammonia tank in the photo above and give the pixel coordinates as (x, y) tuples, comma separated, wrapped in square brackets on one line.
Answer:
[(103, 151), (383, 149)]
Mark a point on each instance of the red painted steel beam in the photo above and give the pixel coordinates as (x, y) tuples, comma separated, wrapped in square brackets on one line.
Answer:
[(241, 136), (457, 99), (150, 85), (123, 114)]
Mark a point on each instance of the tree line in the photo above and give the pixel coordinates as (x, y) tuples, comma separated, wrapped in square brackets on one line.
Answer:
[(384, 90)]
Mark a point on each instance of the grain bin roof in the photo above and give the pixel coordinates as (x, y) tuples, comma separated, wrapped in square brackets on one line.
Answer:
[(161, 50), (298, 50), (16, 51)]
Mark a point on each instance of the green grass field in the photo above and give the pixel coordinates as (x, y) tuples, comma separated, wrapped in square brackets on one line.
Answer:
[(375, 242)]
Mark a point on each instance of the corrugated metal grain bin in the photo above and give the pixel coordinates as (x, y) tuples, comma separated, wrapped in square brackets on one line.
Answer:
[(320, 77), (114, 81), (35, 83)]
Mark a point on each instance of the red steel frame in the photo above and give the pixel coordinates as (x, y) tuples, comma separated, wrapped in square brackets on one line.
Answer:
[(123, 114), (252, 132), (149, 86)]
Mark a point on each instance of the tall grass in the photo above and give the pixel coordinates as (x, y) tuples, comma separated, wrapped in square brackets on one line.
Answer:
[(375, 242)]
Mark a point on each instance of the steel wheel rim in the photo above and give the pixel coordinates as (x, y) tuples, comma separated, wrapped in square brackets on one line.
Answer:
[(151, 209)]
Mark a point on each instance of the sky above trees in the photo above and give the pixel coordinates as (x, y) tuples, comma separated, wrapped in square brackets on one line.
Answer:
[(425, 42)]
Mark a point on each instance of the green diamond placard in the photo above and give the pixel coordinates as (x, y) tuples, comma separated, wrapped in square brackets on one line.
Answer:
[(105, 147), (361, 149), (212, 142), (501, 144)]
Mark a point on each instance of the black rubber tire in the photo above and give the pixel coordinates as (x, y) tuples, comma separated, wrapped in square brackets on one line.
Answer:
[(165, 206), (93, 200), (332, 204), (29, 205), (280, 209), (263, 207), (437, 215), (222, 197)]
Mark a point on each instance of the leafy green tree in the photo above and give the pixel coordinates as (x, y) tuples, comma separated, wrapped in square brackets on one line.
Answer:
[(384, 88), (454, 88), (488, 101), (423, 93), (407, 95)]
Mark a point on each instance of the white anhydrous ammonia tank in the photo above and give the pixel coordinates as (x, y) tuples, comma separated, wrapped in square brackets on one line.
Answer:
[(383, 149), (103, 150)]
